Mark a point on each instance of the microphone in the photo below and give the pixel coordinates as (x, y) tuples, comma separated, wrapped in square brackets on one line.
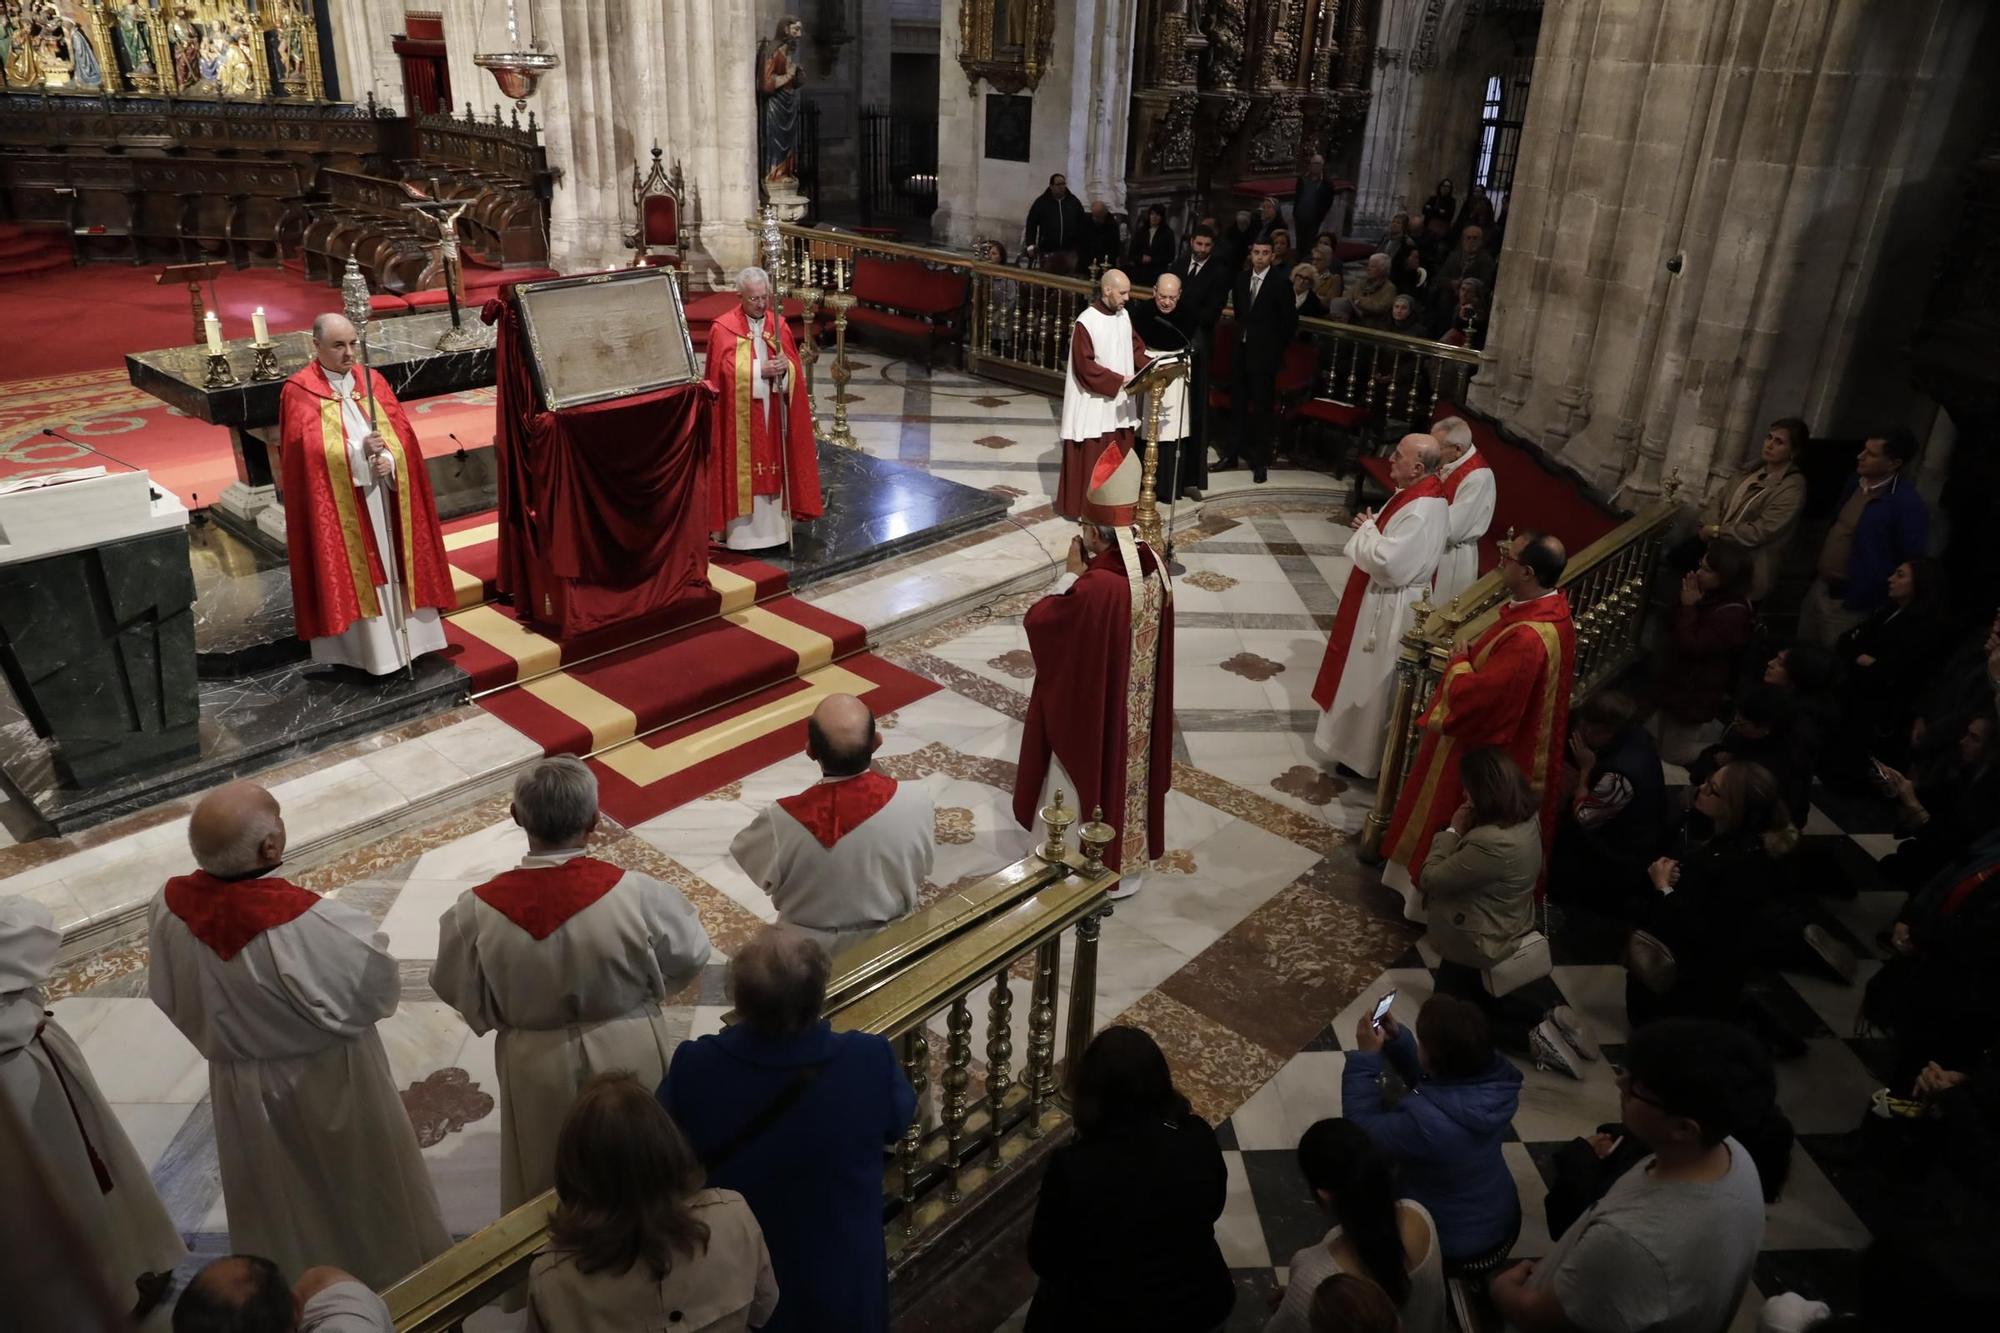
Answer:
[(459, 455), (90, 448)]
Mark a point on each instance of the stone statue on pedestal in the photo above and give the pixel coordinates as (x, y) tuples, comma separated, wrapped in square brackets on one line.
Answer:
[(779, 80)]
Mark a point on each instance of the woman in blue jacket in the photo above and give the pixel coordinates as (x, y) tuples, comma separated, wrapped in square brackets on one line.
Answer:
[(1445, 1134)]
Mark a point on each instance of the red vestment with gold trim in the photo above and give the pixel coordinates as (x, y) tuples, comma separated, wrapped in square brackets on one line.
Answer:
[(780, 456)]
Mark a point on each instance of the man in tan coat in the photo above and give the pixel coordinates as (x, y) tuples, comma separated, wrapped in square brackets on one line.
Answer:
[(1760, 510), (280, 990), (570, 958)]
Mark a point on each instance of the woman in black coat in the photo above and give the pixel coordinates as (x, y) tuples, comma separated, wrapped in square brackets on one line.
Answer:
[(1153, 248), (1124, 1230), (1888, 658)]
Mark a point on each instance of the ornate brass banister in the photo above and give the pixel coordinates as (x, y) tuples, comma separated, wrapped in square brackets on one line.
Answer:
[(1606, 584), (932, 963)]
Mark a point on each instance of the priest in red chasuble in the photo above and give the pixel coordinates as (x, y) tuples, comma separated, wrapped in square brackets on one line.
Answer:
[(1104, 353), (763, 464), (1508, 687), (361, 527), (1100, 719)]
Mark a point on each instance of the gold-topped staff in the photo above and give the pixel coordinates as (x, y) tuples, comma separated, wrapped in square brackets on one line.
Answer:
[(354, 302)]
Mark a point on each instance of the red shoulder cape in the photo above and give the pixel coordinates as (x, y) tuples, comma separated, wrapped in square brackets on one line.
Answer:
[(227, 914), (1082, 645), (1510, 687), (1348, 613), (1476, 463), (539, 899), (736, 430), (330, 544), (832, 810)]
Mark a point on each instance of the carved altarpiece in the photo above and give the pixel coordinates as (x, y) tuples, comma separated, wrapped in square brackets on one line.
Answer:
[(241, 50)]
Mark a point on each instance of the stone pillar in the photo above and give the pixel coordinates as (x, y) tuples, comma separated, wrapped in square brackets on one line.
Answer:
[(1699, 217), (1388, 140), (1100, 117), (633, 72), (362, 54)]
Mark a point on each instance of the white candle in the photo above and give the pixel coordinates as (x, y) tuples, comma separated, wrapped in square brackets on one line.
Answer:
[(214, 328), (258, 326)]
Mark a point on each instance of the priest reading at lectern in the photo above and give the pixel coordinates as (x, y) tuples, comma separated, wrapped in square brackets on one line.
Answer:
[(367, 555), (763, 463)]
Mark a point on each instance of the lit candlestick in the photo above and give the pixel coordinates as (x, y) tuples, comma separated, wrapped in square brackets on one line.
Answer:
[(213, 326), (257, 326)]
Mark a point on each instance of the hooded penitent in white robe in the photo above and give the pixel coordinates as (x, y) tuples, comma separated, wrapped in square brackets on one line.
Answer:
[(570, 959), (90, 1161), (843, 858), (280, 990), (1395, 555), (1469, 490)]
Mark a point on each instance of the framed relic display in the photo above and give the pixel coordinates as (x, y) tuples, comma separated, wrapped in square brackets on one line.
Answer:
[(605, 335)]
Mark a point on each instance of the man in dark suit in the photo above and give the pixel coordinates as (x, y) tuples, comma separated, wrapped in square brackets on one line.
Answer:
[(1312, 200), (1054, 234), (1266, 319)]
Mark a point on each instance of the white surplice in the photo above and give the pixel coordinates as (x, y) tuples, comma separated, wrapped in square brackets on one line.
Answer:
[(584, 1000), (44, 1077), (1399, 562), (843, 894), (769, 522), (319, 1163), (1471, 515), (371, 643)]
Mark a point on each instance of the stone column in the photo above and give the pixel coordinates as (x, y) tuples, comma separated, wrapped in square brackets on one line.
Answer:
[(1699, 219), (1100, 109), (633, 72), (1388, 139), (362, 52)]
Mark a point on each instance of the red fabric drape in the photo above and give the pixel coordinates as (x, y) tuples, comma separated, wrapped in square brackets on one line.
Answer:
[(601, 507)]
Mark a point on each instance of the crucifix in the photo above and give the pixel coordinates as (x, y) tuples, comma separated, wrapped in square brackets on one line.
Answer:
[(443, 214)]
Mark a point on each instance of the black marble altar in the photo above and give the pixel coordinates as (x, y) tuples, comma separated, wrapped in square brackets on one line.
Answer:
[(876, 509), (97, 647)]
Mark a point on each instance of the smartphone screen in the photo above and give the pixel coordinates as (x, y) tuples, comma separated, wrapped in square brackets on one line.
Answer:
[(1382, 1008)]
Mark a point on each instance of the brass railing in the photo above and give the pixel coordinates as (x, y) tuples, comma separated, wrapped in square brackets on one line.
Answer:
[(933, 964), (1017, 324), (1606, 584)]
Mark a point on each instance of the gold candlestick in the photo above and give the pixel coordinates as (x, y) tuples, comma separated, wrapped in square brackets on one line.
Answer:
[(265, 367), (1147, 517), (220, 374), (842, 437)]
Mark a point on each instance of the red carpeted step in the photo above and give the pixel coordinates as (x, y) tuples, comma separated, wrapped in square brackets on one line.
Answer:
[(43, 261), (31, 243)]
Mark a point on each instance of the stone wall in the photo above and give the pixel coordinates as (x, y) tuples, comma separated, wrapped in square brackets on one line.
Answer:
[(363, 57)]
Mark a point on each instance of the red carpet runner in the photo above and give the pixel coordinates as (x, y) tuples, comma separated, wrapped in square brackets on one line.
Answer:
[(707, 691)]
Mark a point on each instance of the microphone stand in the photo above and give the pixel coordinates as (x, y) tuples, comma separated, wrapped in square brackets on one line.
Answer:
[(398, 617)]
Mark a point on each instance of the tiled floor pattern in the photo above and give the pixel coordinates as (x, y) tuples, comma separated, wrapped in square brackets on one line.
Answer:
[(1248, 954)]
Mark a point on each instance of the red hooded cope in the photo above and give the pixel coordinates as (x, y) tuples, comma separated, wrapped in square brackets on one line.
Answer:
[(1082, 645), (757, 451), (330, 542)]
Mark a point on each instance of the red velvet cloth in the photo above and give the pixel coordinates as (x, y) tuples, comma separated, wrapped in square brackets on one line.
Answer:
[(227, 914), (539, 899), (601, 508)]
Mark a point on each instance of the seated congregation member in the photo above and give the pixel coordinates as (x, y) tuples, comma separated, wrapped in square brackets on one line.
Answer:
[(1613, 823), (1124, 1228), (1764, 732), (1810, 674), (1478, 882), (1760, 509), (1957, 799), (1967, 683), (1331, 283), (636, 1241), (1371, 300), (1402, 319), (1710, 626), (1305, 278), (1887, 658), (1938, 994), (848, 855), (1390, 1241), (1465, 317), (243, 1293), (1444, 1135), (1406, 270), (1707, 901), (1670, 1246), (569, 959), (794, 1116), (88, 1158), (1348, 1304), (280, 990), (1282, 255)]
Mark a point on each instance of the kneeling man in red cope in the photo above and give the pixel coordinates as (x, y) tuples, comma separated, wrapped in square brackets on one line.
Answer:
[(1100, 719)]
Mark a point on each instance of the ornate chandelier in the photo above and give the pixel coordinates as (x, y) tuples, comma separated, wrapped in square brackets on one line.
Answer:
[(518, 69)]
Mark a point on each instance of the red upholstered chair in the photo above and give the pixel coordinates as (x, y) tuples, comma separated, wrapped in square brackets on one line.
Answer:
[(903, 296), (1221, 364), (658, 242)]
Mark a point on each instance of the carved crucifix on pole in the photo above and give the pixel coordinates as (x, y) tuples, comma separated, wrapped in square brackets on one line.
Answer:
[(444, 214)]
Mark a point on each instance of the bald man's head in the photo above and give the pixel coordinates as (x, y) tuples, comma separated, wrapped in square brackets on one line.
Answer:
[(1114, 289), (841, 737), (237, 831), (1166, 293), (241, 1292)]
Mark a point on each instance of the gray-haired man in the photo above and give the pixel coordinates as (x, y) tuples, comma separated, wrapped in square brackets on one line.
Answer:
[(570, 958), (763, 462)]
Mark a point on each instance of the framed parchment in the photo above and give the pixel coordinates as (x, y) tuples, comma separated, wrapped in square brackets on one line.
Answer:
[(605, 335)]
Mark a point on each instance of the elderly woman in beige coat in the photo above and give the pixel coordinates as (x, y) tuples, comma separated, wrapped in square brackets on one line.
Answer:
[(1478, 886), (1760, 510)]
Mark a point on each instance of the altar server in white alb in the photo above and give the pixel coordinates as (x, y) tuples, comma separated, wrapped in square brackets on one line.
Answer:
[(1395, 554), (90, 1161), (1104, 354), (571, 959), (280, 990), (848, 855), (1468, 489)]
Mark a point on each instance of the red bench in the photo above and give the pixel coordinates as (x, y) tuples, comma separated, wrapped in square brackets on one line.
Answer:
[(480, 283), (902, 296)]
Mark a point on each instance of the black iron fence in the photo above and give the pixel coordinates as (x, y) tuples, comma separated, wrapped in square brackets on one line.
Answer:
[(899, 161)]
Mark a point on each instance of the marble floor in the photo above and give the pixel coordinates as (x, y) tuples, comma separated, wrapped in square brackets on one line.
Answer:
[(1248, 954)]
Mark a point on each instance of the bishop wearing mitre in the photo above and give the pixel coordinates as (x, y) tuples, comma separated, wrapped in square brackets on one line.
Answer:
[(1395, 553), (361, 527), (1104, 353), (763, 464), (1100, 718)]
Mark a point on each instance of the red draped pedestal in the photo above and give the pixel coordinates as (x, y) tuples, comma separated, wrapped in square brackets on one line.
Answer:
[(601, 508)]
